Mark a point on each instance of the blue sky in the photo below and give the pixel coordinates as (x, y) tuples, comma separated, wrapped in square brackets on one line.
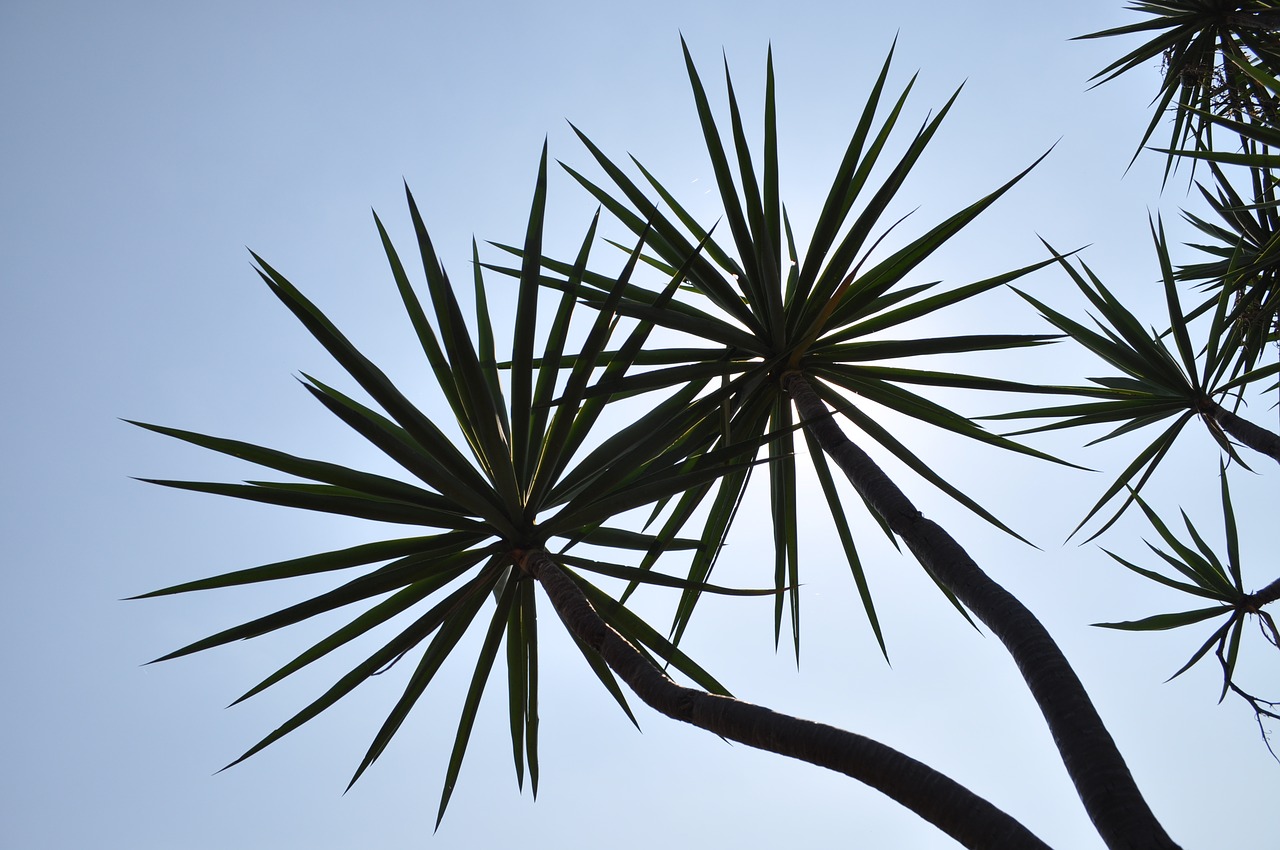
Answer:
[(145, 145)]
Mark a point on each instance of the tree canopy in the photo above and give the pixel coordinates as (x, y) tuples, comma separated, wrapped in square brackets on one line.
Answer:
[(609, 436)]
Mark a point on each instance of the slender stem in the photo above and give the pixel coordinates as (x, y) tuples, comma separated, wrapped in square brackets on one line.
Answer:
[(957, 811), (1254, 436), (1107, 789)]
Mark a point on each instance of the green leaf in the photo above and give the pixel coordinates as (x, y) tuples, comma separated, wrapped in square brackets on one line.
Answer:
[(374, 617), (1140, 467), (832, 495), (554, 437), (850, 177), (724, 182), (833, 276), (339, 559), (451, 629), (490, 446), (529, 638), (667, 239), (485, 344), (1193, 589), (326, 499), (637, 575), (1216, 638), (622, 538), (605, 675), (470, 489), (525, 328), (484, 664), (517, 682), (767, 286), (893, 269), (1229, 661), (422, 327), (1208, 575), (394, 576), (882, 436), (1167, 621), (783, 503), (328, 473), (388, 654), (1233, 538), (636, 630), (393, 441)]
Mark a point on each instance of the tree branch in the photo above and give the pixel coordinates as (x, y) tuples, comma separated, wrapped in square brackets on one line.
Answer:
[(1254, 436), (958, 812), (1261, 21), (1265, 596), (1107, 789)]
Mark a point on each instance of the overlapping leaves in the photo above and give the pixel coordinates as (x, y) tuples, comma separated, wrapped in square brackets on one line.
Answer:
[(759, 308), (1220, 60), (1198, 570), (1256, 126), (1246, 237), (1246, 243), (1154, 383), (531, 476), (1203, 44)]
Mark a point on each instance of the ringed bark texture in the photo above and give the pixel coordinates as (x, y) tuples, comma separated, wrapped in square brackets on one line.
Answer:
[(957, 811), (1110, 796)]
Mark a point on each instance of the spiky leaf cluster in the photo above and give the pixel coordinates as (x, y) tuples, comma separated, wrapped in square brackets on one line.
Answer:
[(532, 474)]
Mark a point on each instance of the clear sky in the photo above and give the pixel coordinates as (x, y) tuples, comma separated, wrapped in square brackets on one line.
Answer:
[(144, 145)]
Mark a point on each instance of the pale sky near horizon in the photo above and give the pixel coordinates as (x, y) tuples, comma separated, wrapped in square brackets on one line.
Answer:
[(145, 145)]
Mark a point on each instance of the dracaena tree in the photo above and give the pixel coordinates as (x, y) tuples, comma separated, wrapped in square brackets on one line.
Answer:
[(796, 338), (1219, 61), (1215, 353), (525, 479), (1203, 46), (533, 479), (781, 338)]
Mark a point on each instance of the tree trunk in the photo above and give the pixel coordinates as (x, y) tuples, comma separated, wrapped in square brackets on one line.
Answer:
[(1110, 796), (1254, 21), (958, 812), (1266, 596), (1254, 436)]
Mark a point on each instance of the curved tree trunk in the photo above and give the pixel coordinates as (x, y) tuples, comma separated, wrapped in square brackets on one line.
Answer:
[(1107, 789), (1254, 436), (954, 809)]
